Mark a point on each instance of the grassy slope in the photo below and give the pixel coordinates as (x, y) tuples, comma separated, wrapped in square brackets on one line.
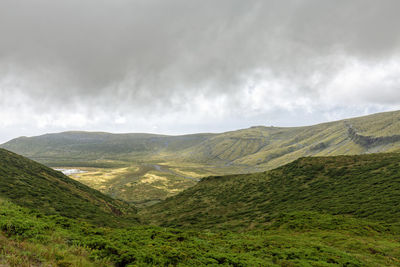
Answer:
[(263, 147), (298, 239), (116, 157), (36, 186), (113, 159), (300, 232), (270, 147), (98, 148), (365, 186)]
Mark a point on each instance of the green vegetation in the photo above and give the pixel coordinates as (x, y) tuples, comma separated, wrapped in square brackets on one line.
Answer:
[(312, 212), (143, 184), (97, 149), (244, 151), (364, 186), (35, 186), (266, 148), (299, 239)]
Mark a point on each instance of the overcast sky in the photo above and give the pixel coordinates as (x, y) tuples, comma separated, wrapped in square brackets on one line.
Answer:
[(184, 66)]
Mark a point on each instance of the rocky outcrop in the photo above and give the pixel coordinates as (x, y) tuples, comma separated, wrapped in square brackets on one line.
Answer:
[(370, 141)]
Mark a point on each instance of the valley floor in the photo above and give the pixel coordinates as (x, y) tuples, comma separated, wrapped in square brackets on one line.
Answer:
[(145, 183)]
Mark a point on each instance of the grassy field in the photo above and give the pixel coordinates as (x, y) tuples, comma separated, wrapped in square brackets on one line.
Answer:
[(138, 184), (146, 183)]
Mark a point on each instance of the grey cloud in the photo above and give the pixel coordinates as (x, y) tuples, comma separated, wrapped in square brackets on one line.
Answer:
[(157, 55), (99, 43)]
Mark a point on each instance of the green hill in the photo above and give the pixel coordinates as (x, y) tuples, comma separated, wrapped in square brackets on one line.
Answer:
[(147, 168), (364, 186), (64, 148), (270, 147), (260, 147), (28, 239), (335, 211), (38, 187)]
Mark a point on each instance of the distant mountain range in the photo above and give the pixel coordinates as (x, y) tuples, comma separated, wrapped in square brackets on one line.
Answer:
[(256, 148), (92, 146)]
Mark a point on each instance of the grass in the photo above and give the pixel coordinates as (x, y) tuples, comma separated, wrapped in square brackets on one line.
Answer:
[(36, 186), (324, 211), (138, 184), (147, 183), (243, 151), (365, 186), (32, 238)]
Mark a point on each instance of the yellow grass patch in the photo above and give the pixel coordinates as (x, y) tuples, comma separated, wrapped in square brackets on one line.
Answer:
[(96, 178), (150, 178)]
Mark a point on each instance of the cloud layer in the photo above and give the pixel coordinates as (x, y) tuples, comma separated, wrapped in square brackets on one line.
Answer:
[(183, 65)]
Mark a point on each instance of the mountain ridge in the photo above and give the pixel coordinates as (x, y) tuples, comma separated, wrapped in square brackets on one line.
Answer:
[(258, 145)]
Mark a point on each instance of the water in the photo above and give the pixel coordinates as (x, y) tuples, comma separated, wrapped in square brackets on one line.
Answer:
[(70, 171)]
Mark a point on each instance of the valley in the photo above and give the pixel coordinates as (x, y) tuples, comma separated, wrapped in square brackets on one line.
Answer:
[(144, 183), (323, 195), (180, 133), (146, 168), (322, 211)]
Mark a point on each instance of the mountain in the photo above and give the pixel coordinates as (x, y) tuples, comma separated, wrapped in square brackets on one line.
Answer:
[(270, 147), (147, 168), (38, 187), (59, 148), (363, 186), (261, 147)]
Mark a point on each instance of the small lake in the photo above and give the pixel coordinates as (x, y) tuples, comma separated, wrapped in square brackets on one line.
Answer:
[(69, 171)]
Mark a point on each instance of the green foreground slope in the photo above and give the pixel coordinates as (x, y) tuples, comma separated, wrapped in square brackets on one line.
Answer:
[(299, 239), (313, 212), (364, 186), (36, 186)]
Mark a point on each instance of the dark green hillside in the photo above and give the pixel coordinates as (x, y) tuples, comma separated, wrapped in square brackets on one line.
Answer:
[(300, 239), (35, 186), (299, 232), (365, 186)]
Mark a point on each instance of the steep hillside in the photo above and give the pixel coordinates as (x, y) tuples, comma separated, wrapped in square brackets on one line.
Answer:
[(270, 147), (365, 186), (38, 187)]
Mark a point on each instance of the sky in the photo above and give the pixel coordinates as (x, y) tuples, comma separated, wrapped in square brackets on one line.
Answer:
[(186, 66)]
